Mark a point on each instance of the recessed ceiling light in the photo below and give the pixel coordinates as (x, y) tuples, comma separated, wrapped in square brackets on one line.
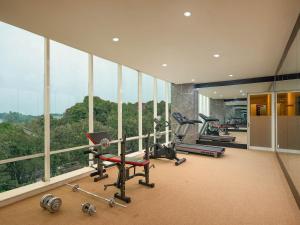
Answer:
[(116, 39), (193, 80), (231, 75), (187, 14), (164, 65), (216, 55), (241, 91), (215, 92)]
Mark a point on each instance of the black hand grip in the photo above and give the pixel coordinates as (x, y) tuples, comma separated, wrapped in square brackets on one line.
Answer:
[(86, 152), (97, 155)]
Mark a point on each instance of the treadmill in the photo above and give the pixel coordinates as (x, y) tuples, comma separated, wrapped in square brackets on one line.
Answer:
[(180, 133), (203, 135)]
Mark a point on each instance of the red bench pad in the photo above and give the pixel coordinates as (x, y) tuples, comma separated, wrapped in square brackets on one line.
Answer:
[(135, 161)]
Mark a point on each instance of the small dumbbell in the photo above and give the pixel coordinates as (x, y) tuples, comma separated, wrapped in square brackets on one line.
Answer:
[(88, 208), (50, 203)]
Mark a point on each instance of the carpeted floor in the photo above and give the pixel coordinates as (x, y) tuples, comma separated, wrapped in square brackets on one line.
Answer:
[(291, 162), (242, 188), (240, 137)]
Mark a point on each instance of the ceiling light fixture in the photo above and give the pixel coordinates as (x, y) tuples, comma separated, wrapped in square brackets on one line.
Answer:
[(216, 55), (193, 80), (241, 91), (116, 39), (215, 92), (231, 75), (164, 65), (187, 14)]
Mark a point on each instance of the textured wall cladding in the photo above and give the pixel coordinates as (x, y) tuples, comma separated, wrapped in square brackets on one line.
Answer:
[(185, 100), (217, 109), (230, 112), (223, 112)]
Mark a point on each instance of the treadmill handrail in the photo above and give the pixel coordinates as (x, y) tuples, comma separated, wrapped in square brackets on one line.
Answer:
[(183, 120), (180, 118), (208, 118), (196, 121)]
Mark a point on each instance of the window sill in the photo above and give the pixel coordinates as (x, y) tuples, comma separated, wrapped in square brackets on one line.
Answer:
[(27, 191)]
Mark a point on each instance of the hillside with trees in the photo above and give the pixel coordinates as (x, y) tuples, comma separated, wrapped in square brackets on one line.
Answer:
[(22, 135)]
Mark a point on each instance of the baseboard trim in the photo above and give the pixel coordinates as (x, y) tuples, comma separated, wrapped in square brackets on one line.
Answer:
[(20, 193), (223, 144)]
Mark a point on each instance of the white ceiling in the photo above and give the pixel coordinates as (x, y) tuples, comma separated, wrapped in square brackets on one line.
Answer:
[(249, 35), (291, 63)]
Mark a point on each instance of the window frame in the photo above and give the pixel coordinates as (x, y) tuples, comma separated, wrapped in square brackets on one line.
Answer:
[(47, 153)]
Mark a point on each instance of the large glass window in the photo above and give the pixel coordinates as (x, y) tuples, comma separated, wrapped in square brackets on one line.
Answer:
[(169, 98), (68, 161), (161, 99), (130, 101), (170, 110), (22, 105), (130, 105), (161, 103), (147, 98), (132, 146), (69, 96), (106, 96), (21, 92), (17, 174)]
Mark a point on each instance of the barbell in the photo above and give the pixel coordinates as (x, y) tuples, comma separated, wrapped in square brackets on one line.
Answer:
[(111, 201)]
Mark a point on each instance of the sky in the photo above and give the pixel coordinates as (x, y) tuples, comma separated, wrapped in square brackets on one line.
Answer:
[(22, 75)]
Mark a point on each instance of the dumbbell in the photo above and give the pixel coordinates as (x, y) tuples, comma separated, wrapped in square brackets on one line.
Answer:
[(88, 208), (50, 203)]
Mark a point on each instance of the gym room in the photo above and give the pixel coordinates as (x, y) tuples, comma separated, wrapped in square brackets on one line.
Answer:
[(150, 112)]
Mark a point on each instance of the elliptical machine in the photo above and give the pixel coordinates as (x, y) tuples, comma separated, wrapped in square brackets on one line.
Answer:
[(158, 150)]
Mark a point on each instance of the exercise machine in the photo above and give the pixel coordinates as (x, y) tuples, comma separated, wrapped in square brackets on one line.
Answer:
[(237, 124), (211, 129), (123, 170), (101, 141), (180, 133), (158, 150)]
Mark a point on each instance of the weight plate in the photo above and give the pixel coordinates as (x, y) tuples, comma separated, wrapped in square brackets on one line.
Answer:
[(45, 199), (54, 204)]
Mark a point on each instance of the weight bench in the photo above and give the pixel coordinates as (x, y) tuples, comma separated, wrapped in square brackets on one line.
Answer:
[(124, 172), (134, 161), (101, 141)]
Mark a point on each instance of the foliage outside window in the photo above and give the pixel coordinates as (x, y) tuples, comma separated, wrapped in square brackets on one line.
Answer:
[(106, 97), (69, 96), (22, 105)]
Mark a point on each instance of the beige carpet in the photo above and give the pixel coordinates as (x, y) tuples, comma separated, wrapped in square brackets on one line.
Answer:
[(240, 137), (242, 188), (291, 162)]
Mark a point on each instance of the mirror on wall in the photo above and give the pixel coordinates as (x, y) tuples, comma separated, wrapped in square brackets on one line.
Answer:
[(287, 88), (229, 106), (260, 121)]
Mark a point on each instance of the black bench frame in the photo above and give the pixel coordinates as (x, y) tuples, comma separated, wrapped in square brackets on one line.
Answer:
[(123, 170)]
